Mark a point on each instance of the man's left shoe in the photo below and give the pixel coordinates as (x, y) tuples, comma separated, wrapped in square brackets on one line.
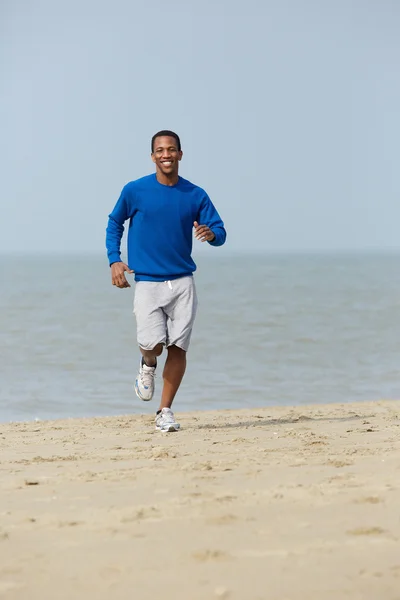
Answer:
[(165, 421)]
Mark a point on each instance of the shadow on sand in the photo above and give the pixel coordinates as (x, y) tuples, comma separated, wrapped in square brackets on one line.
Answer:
[(262, 422)]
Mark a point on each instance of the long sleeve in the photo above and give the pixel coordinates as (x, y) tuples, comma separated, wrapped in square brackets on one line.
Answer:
[(209, 216), (115, 228)]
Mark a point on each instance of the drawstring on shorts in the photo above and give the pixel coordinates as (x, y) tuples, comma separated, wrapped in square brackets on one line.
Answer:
[(169, 284)]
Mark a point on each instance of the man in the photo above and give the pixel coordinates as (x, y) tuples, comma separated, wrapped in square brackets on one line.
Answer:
[(162, 208)]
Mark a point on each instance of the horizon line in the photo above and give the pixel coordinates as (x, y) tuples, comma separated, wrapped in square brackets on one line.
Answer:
[(226, 252)]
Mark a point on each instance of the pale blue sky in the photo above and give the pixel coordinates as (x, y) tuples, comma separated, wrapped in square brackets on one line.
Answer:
[(288, 113)]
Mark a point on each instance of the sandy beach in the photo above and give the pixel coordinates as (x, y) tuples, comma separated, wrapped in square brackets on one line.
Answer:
[(278, 504)]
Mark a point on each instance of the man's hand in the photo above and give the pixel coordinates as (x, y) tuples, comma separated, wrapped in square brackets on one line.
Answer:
[(203, 233), (118, 274)]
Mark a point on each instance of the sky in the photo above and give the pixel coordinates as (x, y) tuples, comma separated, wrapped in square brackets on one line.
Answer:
[(288, 113)]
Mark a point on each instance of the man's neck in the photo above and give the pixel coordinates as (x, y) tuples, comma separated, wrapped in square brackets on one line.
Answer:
[(169, 180)]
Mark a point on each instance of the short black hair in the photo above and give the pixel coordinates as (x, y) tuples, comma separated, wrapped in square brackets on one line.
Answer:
[(167, 133)]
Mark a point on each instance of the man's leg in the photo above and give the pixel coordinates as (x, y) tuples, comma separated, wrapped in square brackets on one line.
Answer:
[(180, 312), (151, 334), (174, 370), (173, 373)]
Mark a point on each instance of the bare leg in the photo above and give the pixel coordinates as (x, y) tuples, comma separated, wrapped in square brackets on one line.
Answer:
[(174, 370), (150, 356)]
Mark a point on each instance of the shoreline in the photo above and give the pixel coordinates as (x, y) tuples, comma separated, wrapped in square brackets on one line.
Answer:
[(277, 502), (185, 412)]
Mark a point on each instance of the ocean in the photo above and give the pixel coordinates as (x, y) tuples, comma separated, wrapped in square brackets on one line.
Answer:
[(271, 330)]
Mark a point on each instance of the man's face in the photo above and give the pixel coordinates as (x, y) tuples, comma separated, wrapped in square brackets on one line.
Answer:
[(166, 155)]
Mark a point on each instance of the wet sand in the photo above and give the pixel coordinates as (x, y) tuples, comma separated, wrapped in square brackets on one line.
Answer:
[(280, 504)]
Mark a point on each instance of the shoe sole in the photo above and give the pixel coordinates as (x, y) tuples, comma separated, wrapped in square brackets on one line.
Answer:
[(139, 396), (170, 429)]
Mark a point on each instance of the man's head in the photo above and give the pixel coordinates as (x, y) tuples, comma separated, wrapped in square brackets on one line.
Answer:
[(166, 153)]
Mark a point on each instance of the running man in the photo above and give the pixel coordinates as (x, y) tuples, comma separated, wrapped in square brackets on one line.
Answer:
[(162, 208)]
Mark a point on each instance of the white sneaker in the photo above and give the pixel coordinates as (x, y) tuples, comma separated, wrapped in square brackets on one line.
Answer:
[(165, 421), (144, 384)]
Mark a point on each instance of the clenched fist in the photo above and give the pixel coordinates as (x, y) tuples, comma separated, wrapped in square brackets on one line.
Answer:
[(203, 233)]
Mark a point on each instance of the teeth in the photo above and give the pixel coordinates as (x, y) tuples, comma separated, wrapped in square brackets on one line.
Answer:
[(167, 163)]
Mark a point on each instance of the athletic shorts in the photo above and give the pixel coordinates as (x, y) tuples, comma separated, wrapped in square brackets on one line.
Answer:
[(165, 312)]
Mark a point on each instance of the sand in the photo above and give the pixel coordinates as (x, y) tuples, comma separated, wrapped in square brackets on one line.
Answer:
[(278, 504)]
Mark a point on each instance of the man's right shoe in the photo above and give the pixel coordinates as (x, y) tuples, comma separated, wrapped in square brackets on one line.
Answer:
[(144, 384)]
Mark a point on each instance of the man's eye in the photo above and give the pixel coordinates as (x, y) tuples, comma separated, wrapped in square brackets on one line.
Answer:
[(161, 150)]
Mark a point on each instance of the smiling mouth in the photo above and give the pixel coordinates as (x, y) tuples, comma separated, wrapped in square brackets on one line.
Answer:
[(166, 163)]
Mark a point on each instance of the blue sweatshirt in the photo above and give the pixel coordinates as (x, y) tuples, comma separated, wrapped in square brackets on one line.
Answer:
[(160, 232)]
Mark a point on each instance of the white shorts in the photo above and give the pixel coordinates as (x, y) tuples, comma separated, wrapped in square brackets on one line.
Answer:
[(165, 312)]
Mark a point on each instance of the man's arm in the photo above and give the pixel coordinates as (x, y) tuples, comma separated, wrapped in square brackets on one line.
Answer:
[(209, 225), (115, 229), (114, 233)]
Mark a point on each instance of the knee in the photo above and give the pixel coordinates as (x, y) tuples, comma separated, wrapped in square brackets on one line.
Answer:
[(156, 351), (176, 352)]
